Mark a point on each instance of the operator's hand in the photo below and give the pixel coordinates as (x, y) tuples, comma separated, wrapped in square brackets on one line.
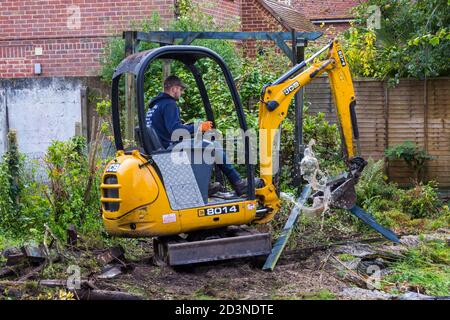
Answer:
[(206, 125)]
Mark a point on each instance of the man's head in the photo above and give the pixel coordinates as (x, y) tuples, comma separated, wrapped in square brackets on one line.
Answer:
[(174, 87)]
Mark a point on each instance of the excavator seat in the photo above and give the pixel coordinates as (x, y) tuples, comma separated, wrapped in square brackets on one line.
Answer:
[(186, 182), (154, 139)]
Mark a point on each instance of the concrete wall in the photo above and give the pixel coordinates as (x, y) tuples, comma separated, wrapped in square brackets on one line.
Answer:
[(41, 110)]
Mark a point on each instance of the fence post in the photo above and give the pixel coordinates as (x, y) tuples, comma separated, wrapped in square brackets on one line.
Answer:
[(298, 55), (425, 126), (386, 125), (130, 48)]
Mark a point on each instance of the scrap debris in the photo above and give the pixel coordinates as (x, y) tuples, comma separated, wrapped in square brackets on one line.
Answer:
[(24, 264), (317, 179)]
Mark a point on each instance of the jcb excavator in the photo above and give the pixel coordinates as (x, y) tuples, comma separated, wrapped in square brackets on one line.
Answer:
[(146, 194)]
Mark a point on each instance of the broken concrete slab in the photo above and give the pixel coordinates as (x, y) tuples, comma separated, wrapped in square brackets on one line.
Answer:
[(414, 296), (357, 249), (365, 294), (116, 253), (35, 253), (110, 272), (415, 240)]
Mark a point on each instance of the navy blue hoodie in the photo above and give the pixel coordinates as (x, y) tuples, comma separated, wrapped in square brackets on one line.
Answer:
[(164, 116)]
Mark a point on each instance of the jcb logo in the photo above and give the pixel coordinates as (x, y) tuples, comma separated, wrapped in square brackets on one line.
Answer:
[(291, 88)]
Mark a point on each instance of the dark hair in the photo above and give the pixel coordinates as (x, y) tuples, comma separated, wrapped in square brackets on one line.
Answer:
[(172, 81)]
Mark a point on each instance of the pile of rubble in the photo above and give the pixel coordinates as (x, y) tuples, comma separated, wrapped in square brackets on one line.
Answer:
[(369, 264), (25, 264)]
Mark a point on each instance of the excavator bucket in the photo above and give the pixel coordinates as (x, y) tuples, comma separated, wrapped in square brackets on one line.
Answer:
[(342, 187), (343, 196), (343, 193)]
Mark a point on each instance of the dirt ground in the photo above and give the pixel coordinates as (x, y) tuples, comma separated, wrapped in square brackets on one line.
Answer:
[(293, 278), (304, 274), (317, 273)]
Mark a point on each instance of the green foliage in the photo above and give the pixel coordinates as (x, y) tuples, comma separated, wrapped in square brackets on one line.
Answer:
[(413, 40), (71, 200), (374, 192), (424, 269), (411, 209), (421, 201), (21, 204), (412, 154), (70, 196)]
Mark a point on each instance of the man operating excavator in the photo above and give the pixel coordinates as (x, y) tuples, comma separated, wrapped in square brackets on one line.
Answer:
[(163, 116)]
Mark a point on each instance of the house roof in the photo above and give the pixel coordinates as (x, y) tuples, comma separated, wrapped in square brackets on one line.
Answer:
[(288, 17), (326, 9)]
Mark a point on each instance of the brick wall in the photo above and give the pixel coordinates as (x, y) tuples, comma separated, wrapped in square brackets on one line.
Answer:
[(70, 33), (223, 11), (255, 17)]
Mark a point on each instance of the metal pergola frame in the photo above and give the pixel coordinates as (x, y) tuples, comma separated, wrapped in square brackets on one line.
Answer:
[(296, 53)]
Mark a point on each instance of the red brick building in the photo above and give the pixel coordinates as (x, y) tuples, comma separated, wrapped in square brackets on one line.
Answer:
[(271, 15), (50, 54), (66, 37)]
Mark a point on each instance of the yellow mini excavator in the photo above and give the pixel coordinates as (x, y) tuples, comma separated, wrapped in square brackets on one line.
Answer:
[(146, 194)]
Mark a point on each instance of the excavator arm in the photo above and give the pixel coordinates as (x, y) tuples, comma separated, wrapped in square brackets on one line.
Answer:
[(273, 109)]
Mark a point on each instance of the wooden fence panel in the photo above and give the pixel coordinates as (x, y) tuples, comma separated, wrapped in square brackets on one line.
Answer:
[(438, 130), (370, 112), (406, 123), (412, 111)]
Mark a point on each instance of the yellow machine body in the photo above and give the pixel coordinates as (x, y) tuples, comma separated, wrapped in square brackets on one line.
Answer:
[(144, 210), (134, 199)]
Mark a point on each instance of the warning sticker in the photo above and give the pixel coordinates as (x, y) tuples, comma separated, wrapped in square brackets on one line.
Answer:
[(169, 218)]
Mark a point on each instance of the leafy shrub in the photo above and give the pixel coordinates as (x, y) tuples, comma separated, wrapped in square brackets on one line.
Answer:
[(374, 192), (412, 41), (411, 154), (422, 201), (22, 207), (73, 190)]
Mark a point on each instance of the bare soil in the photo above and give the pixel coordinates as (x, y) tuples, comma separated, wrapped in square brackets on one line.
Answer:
[(296, 278)]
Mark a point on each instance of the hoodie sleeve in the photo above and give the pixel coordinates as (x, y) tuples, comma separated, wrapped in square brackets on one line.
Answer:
[(172, 119)]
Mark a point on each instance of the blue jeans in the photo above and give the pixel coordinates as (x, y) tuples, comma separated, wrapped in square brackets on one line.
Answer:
[(227, 168), (220, 158)]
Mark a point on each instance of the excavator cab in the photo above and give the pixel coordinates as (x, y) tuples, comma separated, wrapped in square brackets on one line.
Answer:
[(186, 184), (151, 191)]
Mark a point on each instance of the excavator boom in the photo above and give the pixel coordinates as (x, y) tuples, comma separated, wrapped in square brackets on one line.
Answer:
[(273, 109)]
